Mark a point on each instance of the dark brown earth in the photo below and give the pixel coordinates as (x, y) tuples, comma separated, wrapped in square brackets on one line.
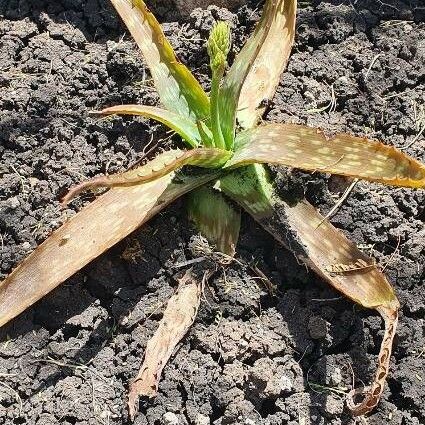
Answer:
[(251, 357)]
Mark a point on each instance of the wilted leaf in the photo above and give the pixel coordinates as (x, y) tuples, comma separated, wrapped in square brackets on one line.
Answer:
[(182, 125), (163, 164), (177, 87), (236, 77), (299, 227), (178, 317), (307, 148), (263, 77), (324, 246), (372, 394), (100, 225), (320, 245), (215, 218)]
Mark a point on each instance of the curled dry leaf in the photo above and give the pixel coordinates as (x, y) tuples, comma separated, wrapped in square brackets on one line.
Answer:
[(301, 228), (322, 243), (372, 394), (178, 316)]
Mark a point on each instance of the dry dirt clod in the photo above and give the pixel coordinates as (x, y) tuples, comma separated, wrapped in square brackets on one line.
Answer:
[(318, 327), (185, 7)]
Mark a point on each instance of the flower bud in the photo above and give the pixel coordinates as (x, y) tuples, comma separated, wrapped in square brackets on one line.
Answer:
[(218, 44)]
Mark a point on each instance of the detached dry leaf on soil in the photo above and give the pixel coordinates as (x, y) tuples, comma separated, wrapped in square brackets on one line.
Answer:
[(178, 316), (224, 171)]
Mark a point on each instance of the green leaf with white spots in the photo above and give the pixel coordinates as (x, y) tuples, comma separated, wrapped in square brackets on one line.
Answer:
[(160, 166), (215, 218), (250, 187), (182, 125), (235, 79), (310, 149), (264, 75), (178, 89)]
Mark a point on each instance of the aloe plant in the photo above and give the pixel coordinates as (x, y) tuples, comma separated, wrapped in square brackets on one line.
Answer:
[(223, 168)]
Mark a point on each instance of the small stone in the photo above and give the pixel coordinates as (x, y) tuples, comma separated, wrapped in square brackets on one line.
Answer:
[(170, 418), (105, 414), (343, 80), (14, 203), (336, 377), (285, 384), (202, 420), (309, 96), (235, 335), (26, 246), (111, 45), (33, 181)]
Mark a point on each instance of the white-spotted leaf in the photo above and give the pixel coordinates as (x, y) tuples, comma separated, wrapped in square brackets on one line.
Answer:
[(96, 228), (264, 75), (310, 149)]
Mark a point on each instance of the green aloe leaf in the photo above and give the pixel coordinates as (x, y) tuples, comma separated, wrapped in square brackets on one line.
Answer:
[(160, 166), (237, 75), (177, 87), (96, 228), (298, 226), (309, 149), (263, 78), (249, 187), (206, 134), (215, 218), (182, 125)]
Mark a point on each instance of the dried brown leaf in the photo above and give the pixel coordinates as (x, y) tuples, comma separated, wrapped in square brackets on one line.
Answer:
[(85, 236), (372, 394), (302, 229), (179, 315)]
